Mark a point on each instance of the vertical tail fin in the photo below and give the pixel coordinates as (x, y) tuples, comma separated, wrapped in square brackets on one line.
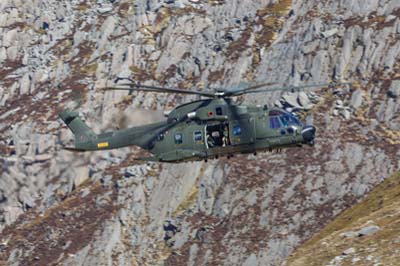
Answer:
[(81, 131)]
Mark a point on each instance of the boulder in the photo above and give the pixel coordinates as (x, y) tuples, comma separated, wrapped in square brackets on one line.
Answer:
[(123, 216), (349, 251), (251, 260), (304, 100), (291, 100), (356, 99), (394, 90), (105, 9), (3, 54), (81, 173), (348, 234), (329, 33), (11, 214), (345, 113), (369, 230), (25, 197), (10, 37), (12, 53), (339, 104)]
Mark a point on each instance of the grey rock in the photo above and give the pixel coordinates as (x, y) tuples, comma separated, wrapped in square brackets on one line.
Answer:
[(42, 158), (310, 47), (81, 174), (149, 183), (394, 90), (135, 236), (25, 197), (356, 99), (348, 234), (12, 53), (354, 155), (137, 209), (251, 260), (320, 65), (25, 84), (44, 143), (349, 251), (291, 99), (304, 100), (380, 114), (105, 9), (10, 37), (123, 216), (11, 213), (390, 17), (346, 114), (106, 180), (359, 189), (391, 108), (193, 254), (85, 192), (278, 104), (369, 230), (3, 54), (329, 33), (339, 104)]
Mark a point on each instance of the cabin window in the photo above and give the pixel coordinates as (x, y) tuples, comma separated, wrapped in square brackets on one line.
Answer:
[(160, 136), (274, 122), (198, 136), (178, 138), (237, 130), (218, 110)]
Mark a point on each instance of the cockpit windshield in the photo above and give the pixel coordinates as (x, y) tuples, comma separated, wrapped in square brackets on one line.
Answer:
[(289, 119), (286, 118)]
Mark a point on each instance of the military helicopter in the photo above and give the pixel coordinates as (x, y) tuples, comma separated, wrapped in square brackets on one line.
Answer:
[(204, 129)]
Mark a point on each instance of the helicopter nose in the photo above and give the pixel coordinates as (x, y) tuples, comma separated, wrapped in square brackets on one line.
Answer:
[(308, 134)]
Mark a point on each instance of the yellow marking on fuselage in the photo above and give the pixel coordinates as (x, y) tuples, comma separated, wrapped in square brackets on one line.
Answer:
[(102, 145)]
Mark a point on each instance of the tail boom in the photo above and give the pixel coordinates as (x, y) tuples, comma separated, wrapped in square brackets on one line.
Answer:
[(87, 140)]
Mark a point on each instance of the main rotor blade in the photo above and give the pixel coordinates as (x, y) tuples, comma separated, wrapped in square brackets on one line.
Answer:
[(238, 92), (139, 87), (299, 88)]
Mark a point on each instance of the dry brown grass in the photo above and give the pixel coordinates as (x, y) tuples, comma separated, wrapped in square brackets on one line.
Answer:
[(381, 207)]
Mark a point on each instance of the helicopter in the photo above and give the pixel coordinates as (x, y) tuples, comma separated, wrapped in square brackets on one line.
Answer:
[(204, 129)]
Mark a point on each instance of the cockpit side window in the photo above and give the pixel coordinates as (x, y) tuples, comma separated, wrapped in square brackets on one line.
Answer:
[(285, 120), (274, 122), (218, 110)]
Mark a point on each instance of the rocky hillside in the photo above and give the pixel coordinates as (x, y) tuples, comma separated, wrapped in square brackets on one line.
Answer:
[(366, 234), (105, 208)]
